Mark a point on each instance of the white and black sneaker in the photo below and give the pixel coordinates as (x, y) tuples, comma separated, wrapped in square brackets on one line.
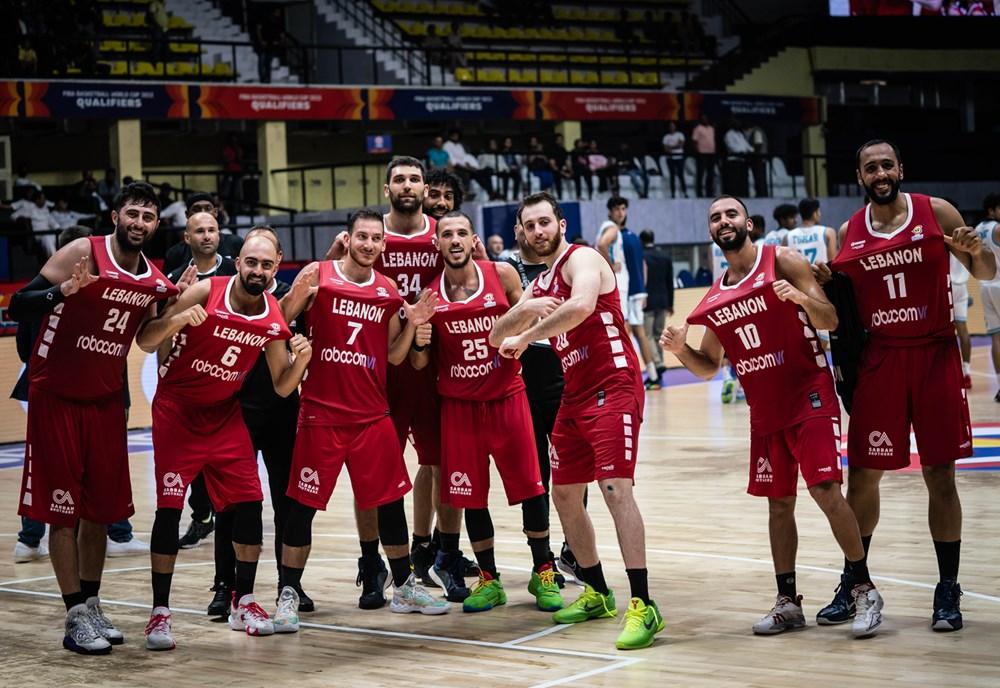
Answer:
[(81, 636), (868, 603), (102, 624), (786, 615)]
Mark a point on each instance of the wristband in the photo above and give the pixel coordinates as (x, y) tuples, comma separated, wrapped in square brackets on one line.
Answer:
[(418, 349)]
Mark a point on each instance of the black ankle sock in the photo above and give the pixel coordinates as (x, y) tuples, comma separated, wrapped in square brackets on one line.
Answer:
[(246, 575), (291, 577), (419, 540), (436, 537), (786, 584), (487, 562), (638, 581), (857, 572), (74, 598), (161, 589), (866, 542), (400, 570), (540, 554), (90, 588), (369, 548), (947, 558), (594, 577), (448, 542)]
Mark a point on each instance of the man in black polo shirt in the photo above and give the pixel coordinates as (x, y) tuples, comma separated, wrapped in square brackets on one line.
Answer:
[(659, 294), (179, 254)]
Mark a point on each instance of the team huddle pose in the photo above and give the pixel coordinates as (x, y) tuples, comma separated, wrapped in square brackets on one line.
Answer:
[(406, 332)]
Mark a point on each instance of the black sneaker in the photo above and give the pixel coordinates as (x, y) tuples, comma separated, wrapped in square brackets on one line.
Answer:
[(997, 397), (219, 606), (305, 602), (842, 609), (422, 556), (372, 578), (947, 614), (447, 572), (197, 532), (568, 565), (470, 569), (559, 578)]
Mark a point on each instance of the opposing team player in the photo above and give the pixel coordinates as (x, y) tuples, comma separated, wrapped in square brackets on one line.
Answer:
[(219, 327), (895, 252), (484, 409), (811, 239), (989, 233), (576, 305), (92, 296), (443, 193), (763, 312), (355, 327)]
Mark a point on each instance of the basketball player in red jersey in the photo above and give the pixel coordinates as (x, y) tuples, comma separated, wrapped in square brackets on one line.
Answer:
[(575, 305), (764, 311), (482, 399), (219, 327), (91, 296), (895, 252), (353, 315)]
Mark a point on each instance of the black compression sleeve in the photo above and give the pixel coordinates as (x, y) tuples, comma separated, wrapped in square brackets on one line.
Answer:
[(35, 300)]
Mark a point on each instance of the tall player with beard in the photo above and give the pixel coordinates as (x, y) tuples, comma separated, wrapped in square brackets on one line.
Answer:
[(92, 296), (895, 252), (221, 326), (763, 311), (482, 400), (575, 304), (356, 326)]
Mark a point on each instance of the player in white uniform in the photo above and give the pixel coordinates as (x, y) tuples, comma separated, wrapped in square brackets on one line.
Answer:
[(960, 307), (811, 239), (609, 244), (785, 215), (989, 233)]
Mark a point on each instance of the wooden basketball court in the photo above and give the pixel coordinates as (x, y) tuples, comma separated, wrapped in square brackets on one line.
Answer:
[(709, 566)]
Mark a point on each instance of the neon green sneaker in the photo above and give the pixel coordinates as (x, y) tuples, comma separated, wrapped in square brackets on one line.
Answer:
[(545, 589), (642, 622), (728, 391), (589, 605), (487, 594)]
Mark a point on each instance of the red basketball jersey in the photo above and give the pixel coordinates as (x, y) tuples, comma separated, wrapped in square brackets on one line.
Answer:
[(901, 280), (208, 363), (597, 356), (349, 328), (772, 346), (411, 260), (468, 367), (81, 350)]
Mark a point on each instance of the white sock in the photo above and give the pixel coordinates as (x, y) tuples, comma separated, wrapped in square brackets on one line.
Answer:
[(966, 368), (651, 371)]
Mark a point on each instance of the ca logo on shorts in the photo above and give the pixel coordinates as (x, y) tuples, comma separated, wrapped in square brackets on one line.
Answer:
[(62, 497), (764, 472), (308, 475), (879, 444), (172, 480), (459, 479)]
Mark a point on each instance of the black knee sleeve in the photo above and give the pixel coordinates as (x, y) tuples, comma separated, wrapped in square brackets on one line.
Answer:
[(165, 527), (535, 514), (392, 524), (248, 528), (478, 524), (298, 525)]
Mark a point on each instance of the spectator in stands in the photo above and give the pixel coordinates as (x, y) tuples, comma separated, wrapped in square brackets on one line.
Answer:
[(234, 165), (495, 248), (444, 193), (38, 214), (437, 156), (623, 30), (513, 161), (220, 214), (180, 253), (127, 179), (66, 218), (605, 169), (465, 165), (628, 164), (22, 180), (734, 168), (673, 149), (434, 46), (158, 23), (538, 165), (703, 137), (757, 137), (108, 187), (453, 42), (270, 32), (660, 294), (166, 195), (580, 165), (559, 164), (27, 59), (490, 160)]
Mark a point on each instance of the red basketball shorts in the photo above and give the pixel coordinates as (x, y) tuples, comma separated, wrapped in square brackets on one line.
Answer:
[(415, 408), (900, 386), (596, 447), (812, 446), (75, 460), (371, 452), (471, 432), (211, 440)]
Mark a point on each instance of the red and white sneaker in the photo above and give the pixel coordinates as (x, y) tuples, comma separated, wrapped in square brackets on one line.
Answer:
[(967, 381), (158, 633), (250, 617)]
